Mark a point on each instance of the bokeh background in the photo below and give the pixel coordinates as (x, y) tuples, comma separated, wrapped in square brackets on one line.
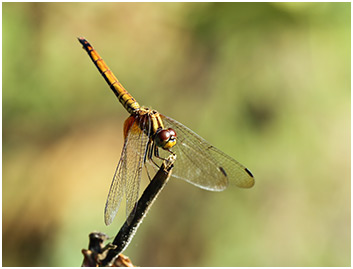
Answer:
[(268, 83)]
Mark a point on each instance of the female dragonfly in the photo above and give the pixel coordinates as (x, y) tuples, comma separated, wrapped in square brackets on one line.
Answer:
[(149, 136)]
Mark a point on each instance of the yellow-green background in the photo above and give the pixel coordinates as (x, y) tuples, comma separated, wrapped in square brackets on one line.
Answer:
[(268, 83)]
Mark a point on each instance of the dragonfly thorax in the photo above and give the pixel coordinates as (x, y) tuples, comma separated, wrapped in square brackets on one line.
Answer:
[(151, 124)]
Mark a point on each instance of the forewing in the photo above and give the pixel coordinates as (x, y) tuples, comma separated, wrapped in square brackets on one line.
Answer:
[(116, 190), (203, 165), (127, 174), (135, 155)]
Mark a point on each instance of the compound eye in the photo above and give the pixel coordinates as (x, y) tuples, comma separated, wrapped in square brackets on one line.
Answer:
[(172, 132), (162, 138), (163, 135), (165, 138)]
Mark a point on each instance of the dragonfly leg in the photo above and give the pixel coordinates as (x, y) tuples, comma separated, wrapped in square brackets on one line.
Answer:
[(148, 156), (148, 174), (154, 152)]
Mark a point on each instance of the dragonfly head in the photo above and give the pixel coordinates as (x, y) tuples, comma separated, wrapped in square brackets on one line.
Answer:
[(165, 138)]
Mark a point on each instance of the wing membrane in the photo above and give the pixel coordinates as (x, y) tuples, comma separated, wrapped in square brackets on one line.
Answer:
[(127, 175), (203, 165)]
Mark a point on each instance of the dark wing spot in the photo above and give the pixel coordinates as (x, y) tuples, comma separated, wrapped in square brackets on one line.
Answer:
[(222, 170), (246, 170)]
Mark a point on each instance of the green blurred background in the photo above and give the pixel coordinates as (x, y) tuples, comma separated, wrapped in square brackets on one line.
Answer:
[(268, 83)]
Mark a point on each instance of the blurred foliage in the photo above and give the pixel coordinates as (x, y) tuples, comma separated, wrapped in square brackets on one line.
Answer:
[(268, 83)]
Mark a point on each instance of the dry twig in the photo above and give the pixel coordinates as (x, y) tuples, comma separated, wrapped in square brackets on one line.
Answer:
[(99, 254)]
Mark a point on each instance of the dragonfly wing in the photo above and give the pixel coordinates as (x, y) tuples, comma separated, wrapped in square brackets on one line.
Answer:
[(116, 190), (135, 156), (203, 165), (128, 173)]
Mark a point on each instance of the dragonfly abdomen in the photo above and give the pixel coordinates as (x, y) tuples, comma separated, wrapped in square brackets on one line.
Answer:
[(124, 97)]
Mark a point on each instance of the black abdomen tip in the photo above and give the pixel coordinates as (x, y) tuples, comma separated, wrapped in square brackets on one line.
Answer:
[(82, 40)]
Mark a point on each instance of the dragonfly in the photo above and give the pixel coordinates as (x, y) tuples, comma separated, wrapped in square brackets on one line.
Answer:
[(149, 137)]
